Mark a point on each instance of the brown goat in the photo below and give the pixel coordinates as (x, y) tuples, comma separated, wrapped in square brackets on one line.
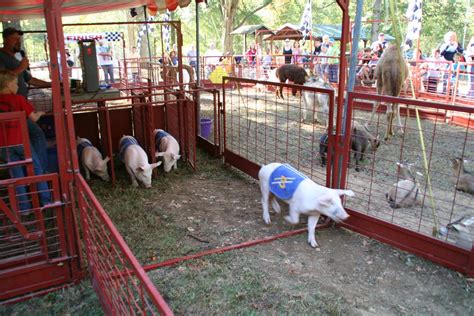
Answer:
[(170, 73), (463, 179), (391, 73), (293, 73)]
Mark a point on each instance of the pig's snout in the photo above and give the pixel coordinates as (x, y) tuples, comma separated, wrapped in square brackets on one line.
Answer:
[(340, 215)]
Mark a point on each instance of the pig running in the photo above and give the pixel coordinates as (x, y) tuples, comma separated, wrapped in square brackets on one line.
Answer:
[(91, 159), (301, 194), (136, 161), (168, 148)]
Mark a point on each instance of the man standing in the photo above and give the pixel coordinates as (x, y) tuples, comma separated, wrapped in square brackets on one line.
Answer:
[(106, 62), (191, 54), (9, 61)]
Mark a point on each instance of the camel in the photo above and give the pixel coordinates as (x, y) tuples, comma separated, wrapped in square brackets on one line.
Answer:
[(391, 73)]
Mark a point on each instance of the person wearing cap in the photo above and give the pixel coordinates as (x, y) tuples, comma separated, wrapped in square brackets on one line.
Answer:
[(381, 40), (8, 61)]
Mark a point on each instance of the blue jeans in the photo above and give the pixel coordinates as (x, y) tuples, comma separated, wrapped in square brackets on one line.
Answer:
[(108, 72), (17, 153), (38, 144)]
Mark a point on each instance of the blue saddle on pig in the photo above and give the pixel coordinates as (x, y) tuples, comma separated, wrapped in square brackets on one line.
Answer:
[(124, 143), (284, 181), (159, 136), (81, 146)]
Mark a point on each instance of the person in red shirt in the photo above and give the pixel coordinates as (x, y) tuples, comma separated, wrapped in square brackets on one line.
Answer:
[(11, 145)]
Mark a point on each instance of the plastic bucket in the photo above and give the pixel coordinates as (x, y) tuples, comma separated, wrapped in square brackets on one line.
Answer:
[(206, 125)]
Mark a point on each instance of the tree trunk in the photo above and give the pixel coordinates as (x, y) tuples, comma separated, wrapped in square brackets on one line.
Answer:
[(374, 31), (229, 8)]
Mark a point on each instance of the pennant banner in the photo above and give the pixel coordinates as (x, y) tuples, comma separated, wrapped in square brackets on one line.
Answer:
[(306, 20), (167, 30), (145, 28), (413, 14)]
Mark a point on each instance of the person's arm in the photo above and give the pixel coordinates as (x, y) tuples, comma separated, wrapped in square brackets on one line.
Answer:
[(39, 83), (35, 116), (442, 49)]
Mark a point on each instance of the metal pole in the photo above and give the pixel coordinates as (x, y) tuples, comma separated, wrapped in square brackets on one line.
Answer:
[(352, 73), (198, 77), (147, 34)]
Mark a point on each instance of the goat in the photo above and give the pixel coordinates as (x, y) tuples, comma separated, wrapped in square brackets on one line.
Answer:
[(313, 100), (463, 179), (406, 192), (171, 73), (293, 73), (360, 140), (459, 230), (391, 73)]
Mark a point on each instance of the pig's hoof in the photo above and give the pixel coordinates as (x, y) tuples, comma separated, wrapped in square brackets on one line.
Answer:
[(290, 220), (266, 219), (313, 243)]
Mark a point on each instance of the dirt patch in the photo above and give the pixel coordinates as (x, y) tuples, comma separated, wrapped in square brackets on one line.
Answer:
[(188, 212), (264, 129)]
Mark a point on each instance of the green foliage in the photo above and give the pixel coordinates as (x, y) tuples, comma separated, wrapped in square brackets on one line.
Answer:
[(439, 17)]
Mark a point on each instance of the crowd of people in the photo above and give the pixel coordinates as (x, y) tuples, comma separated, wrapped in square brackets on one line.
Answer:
[(446, 61)]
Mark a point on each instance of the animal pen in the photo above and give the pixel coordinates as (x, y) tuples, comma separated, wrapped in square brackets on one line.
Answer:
[(51, 247)]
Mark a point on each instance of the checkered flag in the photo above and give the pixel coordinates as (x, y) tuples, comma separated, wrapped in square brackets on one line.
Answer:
[(306, 20), (112, 36), (167, 30), (413, 14), (145, 28)]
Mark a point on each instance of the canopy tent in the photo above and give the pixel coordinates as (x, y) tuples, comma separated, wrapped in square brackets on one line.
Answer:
[(257, 30), (292, 31), (334, 31), (13, 10), (285, 31), (249, 29)]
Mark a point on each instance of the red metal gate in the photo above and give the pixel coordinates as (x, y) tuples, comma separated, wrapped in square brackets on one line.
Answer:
[(37, 243), (260, 128)]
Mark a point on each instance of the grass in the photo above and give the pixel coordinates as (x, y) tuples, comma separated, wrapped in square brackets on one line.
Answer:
[(75, 300), (230, 283)]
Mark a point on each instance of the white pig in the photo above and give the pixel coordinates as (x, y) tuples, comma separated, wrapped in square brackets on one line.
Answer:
[(168, 148), (136, 161), (91, 159), (301, 194)]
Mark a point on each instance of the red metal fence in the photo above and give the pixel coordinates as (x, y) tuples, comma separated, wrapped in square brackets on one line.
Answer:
[(259, 128), (117, 276)]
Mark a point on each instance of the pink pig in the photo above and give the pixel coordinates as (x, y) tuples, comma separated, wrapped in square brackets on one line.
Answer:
[(168, 148)]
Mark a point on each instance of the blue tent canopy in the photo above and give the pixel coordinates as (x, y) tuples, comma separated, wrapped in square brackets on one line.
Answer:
[(334, 31)]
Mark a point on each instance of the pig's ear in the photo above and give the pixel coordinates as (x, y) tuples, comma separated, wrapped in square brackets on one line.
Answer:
[(176, 157), (156, 164), (141, 168), (106, 160), (325, 201), (345, 192), (157, 154)]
